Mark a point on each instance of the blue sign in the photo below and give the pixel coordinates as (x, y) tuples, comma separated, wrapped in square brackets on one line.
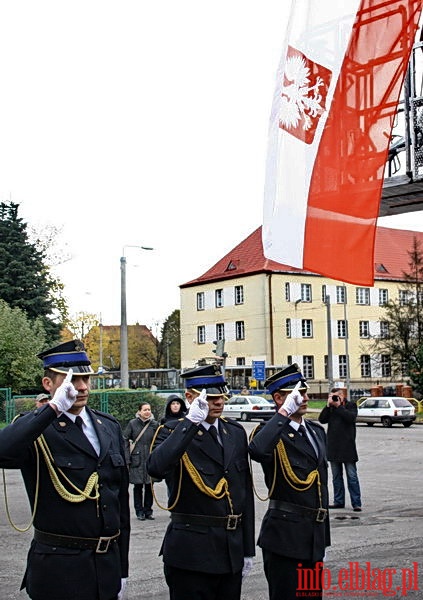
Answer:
[(259, 370)]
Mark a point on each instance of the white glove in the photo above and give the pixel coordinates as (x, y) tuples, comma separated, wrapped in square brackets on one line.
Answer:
[(248, 565), (292, 401), (199, 408), (122, 589), (65, 395)]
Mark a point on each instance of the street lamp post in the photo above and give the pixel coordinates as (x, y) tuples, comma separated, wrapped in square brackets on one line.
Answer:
[(124, 366)]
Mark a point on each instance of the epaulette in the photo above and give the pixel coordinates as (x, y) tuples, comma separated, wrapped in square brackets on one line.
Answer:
[(230, 421), (17, 416), (315, 423), (105, 415)]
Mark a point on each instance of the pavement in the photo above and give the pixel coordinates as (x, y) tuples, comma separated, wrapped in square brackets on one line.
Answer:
[(381, 547)]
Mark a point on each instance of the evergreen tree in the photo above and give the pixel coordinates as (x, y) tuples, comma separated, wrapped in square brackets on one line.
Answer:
[(171, 340), (25, 280)]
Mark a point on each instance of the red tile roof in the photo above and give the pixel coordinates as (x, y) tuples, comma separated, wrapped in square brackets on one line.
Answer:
[(391, 258)]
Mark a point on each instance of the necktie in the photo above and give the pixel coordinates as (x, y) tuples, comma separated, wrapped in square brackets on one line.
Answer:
[(213, 433), (79, 422), (303, 432)]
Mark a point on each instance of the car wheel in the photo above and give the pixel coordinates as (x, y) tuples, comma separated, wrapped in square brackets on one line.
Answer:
[(244, 417), (407, 423), (369, 424), (386, 422)]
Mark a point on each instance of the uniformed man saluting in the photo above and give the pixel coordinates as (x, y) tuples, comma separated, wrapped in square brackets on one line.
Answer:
[(292, 452), (209, 543), (80, 495)]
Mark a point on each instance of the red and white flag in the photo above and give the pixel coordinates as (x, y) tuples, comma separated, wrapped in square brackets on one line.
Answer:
[(338, 85)]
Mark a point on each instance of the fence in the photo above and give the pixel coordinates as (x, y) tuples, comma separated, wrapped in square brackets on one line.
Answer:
[(121, 404)]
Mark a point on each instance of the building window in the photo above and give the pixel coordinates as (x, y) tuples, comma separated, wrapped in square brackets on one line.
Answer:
[(239, 294), (308, 367), (305, 292), (287, 292), (364, 329), (341, 294), (289, 359), (288, 328), (239, 330), (218, 295), (325, 362), (200, 301), (220, 331), (383, 297), (342, 366), (341, 328), (362, 295), (365, 365), (324, 294), (240, 361), (386, 365), (384, 329), (201, 334), (307, 328), (404, 297)]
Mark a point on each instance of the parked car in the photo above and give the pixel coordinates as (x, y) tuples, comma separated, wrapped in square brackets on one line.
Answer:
[(247, 408), (386, 410)]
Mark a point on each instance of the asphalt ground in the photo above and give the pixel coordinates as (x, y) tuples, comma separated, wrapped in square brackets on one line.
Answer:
[(379, 548)]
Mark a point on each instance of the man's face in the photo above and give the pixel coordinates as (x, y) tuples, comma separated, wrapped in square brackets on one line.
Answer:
[(216, 404), (82, 384)]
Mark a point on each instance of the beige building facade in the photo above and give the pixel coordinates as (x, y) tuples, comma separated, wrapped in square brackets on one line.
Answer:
[(272, 313)]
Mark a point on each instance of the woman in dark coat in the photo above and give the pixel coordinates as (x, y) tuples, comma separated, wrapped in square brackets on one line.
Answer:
[(138, 476), (175, 409)]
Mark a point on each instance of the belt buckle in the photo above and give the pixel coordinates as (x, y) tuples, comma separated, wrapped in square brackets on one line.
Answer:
[(232, 522), (321, 515), (103, 545)]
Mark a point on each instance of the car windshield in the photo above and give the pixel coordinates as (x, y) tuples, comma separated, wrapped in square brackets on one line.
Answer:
[(398, 402), (259, 401)]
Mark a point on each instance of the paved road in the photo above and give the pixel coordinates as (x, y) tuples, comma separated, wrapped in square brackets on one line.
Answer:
[(388, 534)]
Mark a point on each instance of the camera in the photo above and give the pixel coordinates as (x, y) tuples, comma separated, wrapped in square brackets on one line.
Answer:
[(336, 398)]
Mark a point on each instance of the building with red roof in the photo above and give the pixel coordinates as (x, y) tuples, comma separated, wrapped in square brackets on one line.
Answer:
[(273, 313)]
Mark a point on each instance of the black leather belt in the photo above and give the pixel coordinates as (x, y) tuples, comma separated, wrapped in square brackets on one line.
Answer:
[(100, 545), (317, 514), (230, 522)]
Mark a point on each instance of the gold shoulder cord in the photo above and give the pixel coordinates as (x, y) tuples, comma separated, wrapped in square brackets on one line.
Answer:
[(220, 491), (288, 473), (86, 494), (272, 487), (6, 503)]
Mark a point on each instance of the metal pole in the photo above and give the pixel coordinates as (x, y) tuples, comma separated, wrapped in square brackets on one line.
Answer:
[(124, 374), (329, 335), (347, 356), (101, 343)]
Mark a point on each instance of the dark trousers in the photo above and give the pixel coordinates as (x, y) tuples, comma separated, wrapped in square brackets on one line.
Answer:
[(143, 498), (194, 585), (289, 581)]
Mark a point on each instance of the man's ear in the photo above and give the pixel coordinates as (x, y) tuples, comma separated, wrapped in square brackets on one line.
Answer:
[(278, 398), (189, 397), (47, 383)]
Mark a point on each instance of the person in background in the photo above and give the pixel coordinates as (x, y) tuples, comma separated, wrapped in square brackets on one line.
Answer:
[(72, 460), (138, 435), (340, 416), (292, 452), (175, 409), (41, 399), (209, 543), (245, 391)]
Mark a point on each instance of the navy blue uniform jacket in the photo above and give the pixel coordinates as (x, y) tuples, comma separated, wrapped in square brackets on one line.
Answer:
[(65, 573), (200, 547), (284, 532)]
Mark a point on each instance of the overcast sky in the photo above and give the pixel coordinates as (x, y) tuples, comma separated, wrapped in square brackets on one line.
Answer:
[(136, 122)]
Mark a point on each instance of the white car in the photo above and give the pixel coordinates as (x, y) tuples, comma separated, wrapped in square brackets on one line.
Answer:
[(385, 410), (248, 407)]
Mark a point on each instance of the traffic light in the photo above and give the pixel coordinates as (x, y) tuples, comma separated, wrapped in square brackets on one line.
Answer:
[(220, 348)]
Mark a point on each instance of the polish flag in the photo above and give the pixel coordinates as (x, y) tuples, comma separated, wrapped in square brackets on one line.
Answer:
[(338, 85)]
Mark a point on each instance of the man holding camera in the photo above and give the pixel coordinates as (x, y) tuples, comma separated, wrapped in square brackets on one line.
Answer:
[(340, 416)]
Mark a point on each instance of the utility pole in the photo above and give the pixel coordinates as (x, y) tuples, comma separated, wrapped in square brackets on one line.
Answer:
[(329, 336)]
